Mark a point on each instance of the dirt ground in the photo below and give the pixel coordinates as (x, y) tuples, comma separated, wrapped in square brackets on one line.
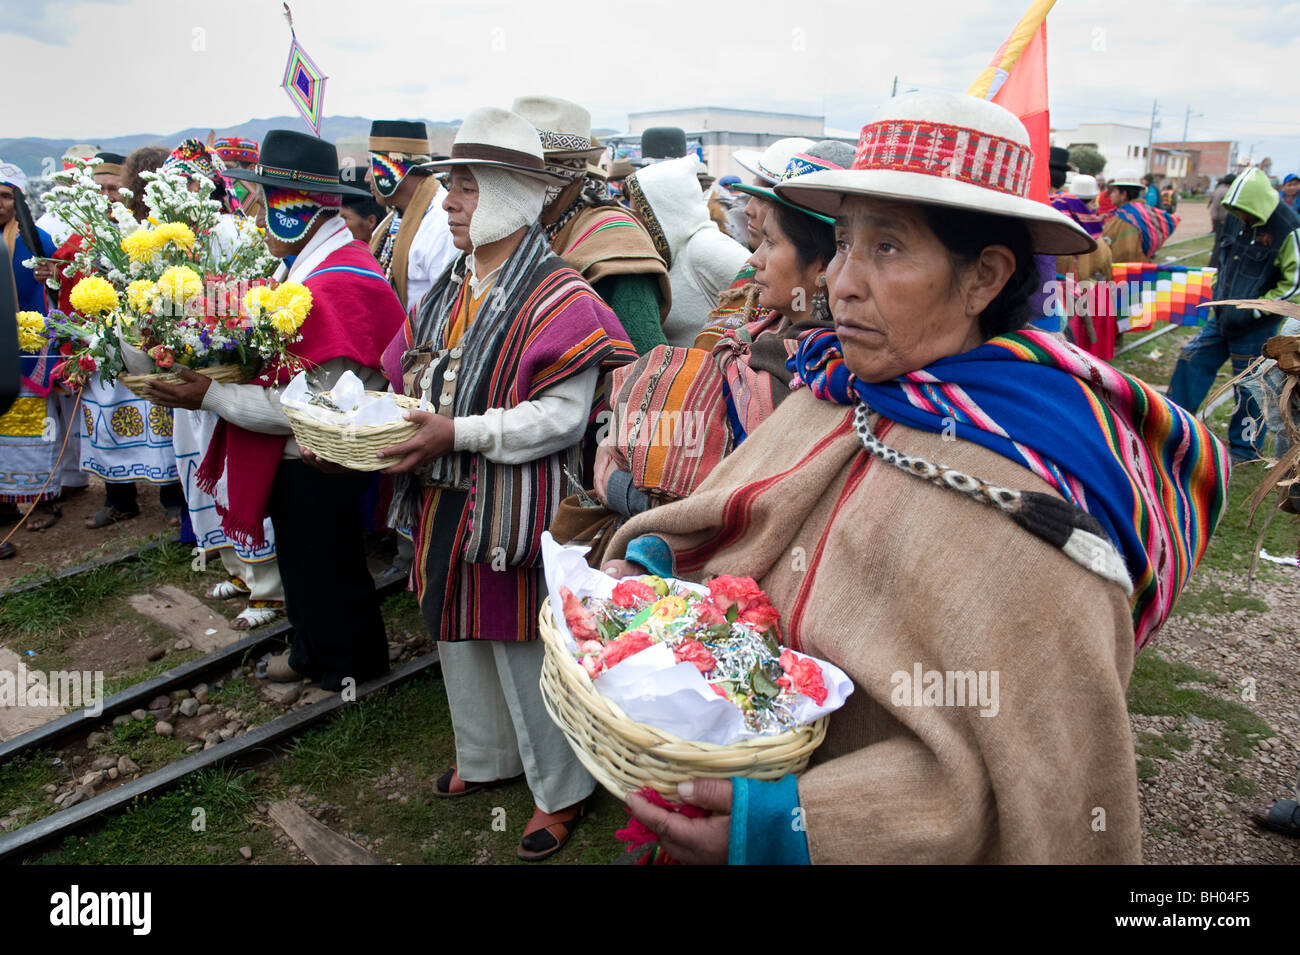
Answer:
[(1193, 220), (71, 542)]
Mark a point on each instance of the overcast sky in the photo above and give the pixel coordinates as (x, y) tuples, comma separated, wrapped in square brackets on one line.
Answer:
[(96, 68)]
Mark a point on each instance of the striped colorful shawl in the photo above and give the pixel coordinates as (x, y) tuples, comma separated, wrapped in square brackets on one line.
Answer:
[(1078, 210), (1153, 225), (1150, 473)]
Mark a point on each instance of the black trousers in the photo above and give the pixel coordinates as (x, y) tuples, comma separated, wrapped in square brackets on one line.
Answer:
[(122, 495), (329, 595)]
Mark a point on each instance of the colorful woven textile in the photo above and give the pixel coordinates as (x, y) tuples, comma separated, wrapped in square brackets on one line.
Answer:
[(1152, 293), (1153, 225), (1078, 210), (233, 149), (668, 426), (1152, 475), (950, 152)]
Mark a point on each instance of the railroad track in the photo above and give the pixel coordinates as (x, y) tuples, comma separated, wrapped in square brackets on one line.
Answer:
[(62, 731)]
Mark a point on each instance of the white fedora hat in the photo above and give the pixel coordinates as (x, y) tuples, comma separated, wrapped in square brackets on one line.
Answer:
[(770, 164), (497, 137), (944, 149), (563, 126), (1127, 177)]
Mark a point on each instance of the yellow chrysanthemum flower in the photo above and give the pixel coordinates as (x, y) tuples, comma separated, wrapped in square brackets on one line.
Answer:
[(31, 331), (293, 299), (180, 283), (94, 296), (177, 233), (140, 245), (283, 322), (140, 295), (256, 301)]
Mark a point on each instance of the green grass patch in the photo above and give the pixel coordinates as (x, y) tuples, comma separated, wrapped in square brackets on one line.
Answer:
[(22, 779), (141, 742), (204, 820), (44, 613), (125, 681), (1159, 687)]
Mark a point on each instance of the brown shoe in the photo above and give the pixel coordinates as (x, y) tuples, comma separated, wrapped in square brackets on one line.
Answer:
[(546, 833), (279, 671)]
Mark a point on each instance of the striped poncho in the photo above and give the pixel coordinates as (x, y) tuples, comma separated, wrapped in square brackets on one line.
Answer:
[(478, 534)]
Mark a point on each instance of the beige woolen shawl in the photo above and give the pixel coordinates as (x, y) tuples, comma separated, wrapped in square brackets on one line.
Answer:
[(878, 571)]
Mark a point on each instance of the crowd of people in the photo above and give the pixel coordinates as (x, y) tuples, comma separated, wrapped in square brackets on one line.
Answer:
[(891, 438)]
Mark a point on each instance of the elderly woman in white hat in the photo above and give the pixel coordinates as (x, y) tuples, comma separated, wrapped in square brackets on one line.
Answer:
[(967, 515), (507, 349)]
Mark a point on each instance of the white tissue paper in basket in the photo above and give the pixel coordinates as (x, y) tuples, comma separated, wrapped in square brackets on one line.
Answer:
[(349, 394), (650, 686)]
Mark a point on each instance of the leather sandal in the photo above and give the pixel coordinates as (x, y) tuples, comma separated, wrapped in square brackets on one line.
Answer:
[(44, 517), (547, 832), (449, 785)]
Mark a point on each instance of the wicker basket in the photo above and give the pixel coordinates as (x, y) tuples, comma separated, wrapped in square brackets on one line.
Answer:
[(228, 374), (624, 755), (353, 447)]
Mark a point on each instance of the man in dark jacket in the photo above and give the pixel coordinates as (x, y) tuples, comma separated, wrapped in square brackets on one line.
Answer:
[(1259, 257)]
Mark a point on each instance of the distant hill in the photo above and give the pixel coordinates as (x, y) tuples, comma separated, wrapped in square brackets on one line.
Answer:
[(31, 153)]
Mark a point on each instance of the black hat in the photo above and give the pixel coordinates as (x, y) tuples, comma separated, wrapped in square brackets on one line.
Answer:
[(399, 136), (1059, 158), (111, 157), (663, 142), (294, 160)]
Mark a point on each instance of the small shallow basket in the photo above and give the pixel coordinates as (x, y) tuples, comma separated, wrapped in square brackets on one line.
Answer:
[(624, 755), (227, 374), (353, 447)]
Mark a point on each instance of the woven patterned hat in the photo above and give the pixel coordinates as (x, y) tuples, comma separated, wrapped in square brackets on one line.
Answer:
[(944, 149), (563, 127)]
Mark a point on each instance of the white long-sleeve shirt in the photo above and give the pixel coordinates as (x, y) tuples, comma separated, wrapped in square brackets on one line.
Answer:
[(431, 251)]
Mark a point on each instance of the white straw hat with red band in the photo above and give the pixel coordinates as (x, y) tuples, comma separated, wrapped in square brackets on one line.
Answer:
[(944, 149)]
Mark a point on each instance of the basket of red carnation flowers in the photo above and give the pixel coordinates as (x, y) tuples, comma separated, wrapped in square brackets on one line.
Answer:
[(655, 681)]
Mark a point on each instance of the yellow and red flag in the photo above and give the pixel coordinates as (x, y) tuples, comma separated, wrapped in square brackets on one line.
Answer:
[(1017, 81)]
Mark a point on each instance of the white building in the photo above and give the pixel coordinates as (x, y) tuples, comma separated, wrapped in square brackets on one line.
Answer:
[(719, 131), (1124, 146)]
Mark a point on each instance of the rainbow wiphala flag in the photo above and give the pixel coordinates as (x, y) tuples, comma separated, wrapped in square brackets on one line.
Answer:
[(1162, 293)]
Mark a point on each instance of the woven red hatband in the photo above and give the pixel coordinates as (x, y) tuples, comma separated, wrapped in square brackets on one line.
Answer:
[(948, 152)]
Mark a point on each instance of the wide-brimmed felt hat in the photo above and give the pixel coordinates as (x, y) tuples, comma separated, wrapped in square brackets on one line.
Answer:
[(500, 139), (620, 168), (110, 163), (828, 154), (293, 160), (769, 164), (563, 126), (661, 142), (399, 136), (944, 149)]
